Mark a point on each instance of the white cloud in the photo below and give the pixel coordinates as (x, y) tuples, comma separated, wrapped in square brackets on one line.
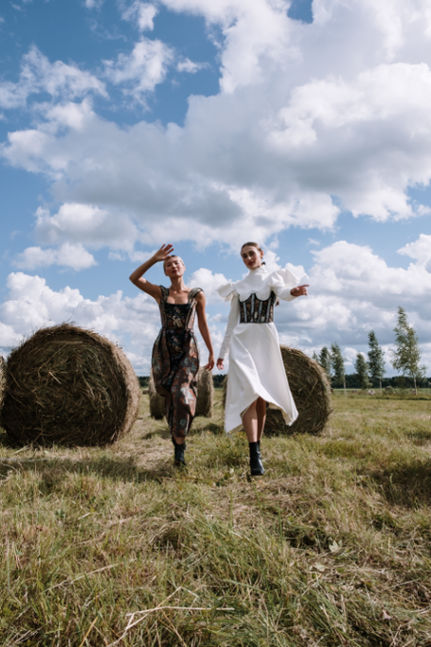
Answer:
[(71, 115), (419, 250), (141, 70), (82, 223), (270, 150), (38, 75), (8, 338), (74, 256), (94, 4), (208, 281), (32, 304), (190, 67), (352, 291), (142, 13), (308, 118)]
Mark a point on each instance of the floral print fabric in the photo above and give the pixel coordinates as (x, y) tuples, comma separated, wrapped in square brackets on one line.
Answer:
[(175, 361)]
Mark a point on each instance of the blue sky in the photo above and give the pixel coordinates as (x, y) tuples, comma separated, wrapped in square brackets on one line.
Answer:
[(125, 124)]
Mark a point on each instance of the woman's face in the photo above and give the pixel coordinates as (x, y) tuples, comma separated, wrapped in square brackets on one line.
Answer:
[(174, 266), (252, 256)]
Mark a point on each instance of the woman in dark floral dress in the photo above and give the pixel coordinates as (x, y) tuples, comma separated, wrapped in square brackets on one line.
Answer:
[(175, 357)]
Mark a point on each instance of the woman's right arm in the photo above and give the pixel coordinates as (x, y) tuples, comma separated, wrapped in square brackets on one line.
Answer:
[(137, 276)]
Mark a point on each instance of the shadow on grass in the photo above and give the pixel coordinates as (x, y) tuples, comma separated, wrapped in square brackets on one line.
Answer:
[(112, 468), (409, 485), (419, 437)]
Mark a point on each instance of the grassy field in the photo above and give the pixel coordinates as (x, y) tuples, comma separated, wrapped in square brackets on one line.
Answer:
[(112, 546)]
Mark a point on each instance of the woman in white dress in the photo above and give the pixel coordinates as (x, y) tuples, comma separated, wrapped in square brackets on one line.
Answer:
[(256, 371)]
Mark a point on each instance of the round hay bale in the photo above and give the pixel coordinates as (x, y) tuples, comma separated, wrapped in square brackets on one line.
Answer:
[(205, 394), (157, 401), (69, 386), (311, 392), (2, 380)]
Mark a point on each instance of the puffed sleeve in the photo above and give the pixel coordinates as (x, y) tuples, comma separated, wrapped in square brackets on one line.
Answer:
[(282, 281), (231, 323), (226, 291)]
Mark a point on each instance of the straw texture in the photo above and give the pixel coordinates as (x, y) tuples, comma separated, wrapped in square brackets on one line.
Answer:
[(69, 386)]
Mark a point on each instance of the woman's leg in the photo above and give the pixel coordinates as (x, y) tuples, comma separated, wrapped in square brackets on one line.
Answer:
[(250, 424), (261, 417)]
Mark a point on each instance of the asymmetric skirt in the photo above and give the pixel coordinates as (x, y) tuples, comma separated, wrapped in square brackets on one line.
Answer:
[(256, 370)]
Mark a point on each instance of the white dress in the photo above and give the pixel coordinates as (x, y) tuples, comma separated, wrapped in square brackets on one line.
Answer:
[(255, 363)]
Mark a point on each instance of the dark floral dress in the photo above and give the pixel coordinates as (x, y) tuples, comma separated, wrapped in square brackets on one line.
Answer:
[(175, 361)]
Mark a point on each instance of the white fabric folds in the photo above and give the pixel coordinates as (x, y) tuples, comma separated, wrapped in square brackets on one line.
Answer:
[(255, 363)]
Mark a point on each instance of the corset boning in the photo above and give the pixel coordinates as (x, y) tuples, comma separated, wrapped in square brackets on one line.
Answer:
[(254, 310)]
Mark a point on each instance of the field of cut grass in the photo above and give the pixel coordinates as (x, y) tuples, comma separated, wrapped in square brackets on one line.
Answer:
[(332, 547)]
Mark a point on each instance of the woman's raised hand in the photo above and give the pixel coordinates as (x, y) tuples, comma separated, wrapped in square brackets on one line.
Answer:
[(163, 253)]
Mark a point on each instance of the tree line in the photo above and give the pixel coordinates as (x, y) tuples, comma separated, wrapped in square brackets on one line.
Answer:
[(370, 370)]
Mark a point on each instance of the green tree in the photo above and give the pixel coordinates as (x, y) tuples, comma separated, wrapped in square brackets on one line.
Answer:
[(406, 356), (376, 361), (325, 361), (337, 366), (361, 368)]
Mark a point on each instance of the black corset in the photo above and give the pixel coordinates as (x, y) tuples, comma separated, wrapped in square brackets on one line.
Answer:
[(254, 310)]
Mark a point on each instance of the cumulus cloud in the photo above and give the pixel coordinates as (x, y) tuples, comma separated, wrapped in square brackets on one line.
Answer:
[(76, 223), (352, 291), (32, 304), (190, 67), (140, 71), (74, 256), (38, 76), (419, 250), (287, 147), (141, 13)]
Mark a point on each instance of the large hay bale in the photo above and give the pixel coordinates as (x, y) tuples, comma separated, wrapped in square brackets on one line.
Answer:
[(311, 392), (205, 395), (2, 380), (157, 401), (69, 386)]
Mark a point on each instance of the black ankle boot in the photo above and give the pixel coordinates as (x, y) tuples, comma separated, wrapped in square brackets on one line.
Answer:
[(179, 459), (256, 466)]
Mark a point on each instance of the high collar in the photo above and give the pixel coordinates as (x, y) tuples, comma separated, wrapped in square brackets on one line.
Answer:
[(257, 271)]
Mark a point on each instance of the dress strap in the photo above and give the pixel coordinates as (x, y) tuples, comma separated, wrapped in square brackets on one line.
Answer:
[(194, 292), (192, 303), (164, 291)]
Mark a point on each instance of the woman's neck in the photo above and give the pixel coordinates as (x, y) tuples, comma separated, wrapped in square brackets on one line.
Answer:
[(177, 291), (178, 285)]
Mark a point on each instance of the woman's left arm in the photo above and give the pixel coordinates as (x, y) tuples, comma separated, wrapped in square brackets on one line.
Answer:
[(203, 328)]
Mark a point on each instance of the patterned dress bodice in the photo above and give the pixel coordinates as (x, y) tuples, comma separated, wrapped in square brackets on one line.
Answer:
[(178, 316), (177, 322), (255, 310)]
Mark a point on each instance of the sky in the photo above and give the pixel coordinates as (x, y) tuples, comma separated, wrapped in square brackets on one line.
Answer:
[(303, 125)]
